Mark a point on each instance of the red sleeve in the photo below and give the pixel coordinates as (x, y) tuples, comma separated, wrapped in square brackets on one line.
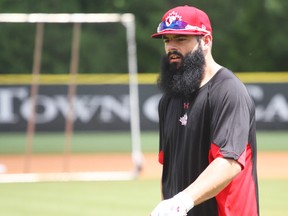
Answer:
[(161, 157), (216, 152)]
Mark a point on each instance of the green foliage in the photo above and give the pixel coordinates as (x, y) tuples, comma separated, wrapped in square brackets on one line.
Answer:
[(248, 35)]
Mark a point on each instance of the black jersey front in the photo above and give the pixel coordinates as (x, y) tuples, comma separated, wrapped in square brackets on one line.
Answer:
[(218, 120)]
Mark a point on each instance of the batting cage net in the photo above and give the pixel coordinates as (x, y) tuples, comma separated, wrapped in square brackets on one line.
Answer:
[(63, 138)]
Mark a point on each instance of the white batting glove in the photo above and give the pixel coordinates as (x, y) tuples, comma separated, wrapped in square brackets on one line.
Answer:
[(179, 205)]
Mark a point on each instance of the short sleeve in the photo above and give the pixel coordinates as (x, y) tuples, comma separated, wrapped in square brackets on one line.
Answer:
[(230, 117)]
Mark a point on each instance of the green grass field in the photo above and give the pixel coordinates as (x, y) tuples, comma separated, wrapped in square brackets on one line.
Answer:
[(121, 198), (14, 143), (124, 198)]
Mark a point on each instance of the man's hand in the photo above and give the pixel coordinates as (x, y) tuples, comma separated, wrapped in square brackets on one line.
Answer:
[(179, 205)]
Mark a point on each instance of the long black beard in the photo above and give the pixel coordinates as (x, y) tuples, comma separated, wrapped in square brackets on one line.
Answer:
[(182, 81)]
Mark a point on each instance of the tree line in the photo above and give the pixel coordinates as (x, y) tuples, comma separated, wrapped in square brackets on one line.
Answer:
[(247, 35)]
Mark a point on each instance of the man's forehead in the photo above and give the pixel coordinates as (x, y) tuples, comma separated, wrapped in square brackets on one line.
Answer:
[(172, 36)]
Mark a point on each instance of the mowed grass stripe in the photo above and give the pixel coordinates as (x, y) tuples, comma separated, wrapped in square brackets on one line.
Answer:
[(15, 143)]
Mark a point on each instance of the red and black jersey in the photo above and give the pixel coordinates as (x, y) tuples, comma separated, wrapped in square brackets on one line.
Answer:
[(218, 120)]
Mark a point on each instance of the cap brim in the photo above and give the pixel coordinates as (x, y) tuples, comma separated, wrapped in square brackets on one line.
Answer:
[(176, 32)]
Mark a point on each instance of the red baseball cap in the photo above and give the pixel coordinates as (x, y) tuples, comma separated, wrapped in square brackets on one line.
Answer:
[(185, 20)]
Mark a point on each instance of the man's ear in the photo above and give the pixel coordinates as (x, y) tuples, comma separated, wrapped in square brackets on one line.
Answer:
[(207, 41)]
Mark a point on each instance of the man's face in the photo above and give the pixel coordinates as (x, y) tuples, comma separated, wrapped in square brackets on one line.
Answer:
[(176, 44), (182, 67)]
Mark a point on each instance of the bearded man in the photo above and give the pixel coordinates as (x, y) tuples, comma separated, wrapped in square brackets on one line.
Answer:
[(207, 125)]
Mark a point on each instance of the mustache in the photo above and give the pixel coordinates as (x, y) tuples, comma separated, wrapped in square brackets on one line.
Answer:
[(175, 52)]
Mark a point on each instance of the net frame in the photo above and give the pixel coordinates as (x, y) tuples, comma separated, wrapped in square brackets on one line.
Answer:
[(128, 21)]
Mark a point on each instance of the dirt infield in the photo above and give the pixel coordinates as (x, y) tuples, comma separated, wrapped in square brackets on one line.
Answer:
[(270, 164)]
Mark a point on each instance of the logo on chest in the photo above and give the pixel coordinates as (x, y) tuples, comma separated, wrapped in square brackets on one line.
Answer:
[(184, 118)]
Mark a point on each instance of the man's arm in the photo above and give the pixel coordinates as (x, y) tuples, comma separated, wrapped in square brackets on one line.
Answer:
[(213, 179), (210, 182)]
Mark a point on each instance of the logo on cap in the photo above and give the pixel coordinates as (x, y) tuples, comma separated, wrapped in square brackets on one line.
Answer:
[(173, 16), (184, 20)]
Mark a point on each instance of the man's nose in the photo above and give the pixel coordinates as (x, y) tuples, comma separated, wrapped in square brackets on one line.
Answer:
[(171, 47)]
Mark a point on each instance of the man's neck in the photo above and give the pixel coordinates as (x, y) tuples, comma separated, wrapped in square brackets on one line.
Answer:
[(210, 70)]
